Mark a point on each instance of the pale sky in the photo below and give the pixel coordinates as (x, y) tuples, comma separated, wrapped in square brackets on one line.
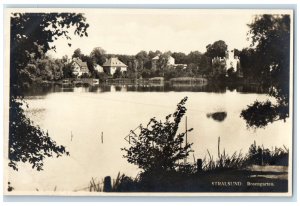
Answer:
[(123, 31)]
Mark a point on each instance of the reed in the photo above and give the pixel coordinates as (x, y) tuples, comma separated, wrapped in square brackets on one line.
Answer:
[(95, 186), (224, 160)]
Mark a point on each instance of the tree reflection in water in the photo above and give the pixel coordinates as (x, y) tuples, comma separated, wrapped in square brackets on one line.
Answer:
[(271, 35), (217, 116)]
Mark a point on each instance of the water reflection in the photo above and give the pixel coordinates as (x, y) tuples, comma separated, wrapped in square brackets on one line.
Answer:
[(163, 87), (217, 116)]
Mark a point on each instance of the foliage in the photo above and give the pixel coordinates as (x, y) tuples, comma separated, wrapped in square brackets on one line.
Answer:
[(180, 58), (102, 76), (49, 69), (77, 53), (31, 36), (37, 144), (158, 148), (90, 63), (271, 35), (224, 162), (217, 49), (162, 62), (188, 178), (248, 63), (258, 155), (117, 74), (98, 55), (9, 187), (218, 67), (68, 70), (232, 75), (28, 44), (260, 114), (141, 59)]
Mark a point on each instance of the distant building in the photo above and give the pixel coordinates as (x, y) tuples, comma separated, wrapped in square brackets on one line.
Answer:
[(79, 67), (223, 64), (184, 66), (232, 61), (111, 65), (98, 68), (219, 65), (171, 62)]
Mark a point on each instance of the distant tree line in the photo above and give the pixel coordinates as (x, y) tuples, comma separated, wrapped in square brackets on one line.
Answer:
[(139, 66), (194, 64)]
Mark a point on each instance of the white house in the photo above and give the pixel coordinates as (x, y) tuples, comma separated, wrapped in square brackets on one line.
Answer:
[(98, 68), (171, 61), (232, 61), (111, 65), (79, 67)]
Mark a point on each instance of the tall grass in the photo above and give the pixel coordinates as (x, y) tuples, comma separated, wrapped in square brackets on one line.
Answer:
[(224, 161), (96, 186), (258, 155), (188, 173)]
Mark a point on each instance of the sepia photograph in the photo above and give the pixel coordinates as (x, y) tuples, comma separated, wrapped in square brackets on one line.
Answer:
[(156, 102)]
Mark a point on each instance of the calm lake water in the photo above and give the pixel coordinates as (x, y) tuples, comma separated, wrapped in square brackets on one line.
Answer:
[(115, 110)]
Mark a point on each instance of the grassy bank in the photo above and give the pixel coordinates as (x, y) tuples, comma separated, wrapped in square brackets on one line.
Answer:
[(260, 170)]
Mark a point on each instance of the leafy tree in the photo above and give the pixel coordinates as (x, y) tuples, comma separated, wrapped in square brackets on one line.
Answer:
[(77, 53), (102, 76), (218, 67), (217, 49), (98, 55), (194, 57), (153, 54), (31, 36), (142, 58), (90, 63), (68, 70), (191, 70), (204, 65), (162, 62), (232, 75), (271, 35), (180, 58), (27, 142), (158, 148), (170, 73), (117, 74), (248, 63), (236, 52)]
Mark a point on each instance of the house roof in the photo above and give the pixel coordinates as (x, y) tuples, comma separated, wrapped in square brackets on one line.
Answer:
[(79, 62), (156, 57), (114, 61), (97, 66)]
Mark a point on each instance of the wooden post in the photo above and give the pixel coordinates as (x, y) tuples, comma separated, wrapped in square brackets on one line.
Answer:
[(194, 158), (199, 165), (219, 147), (107, 184), (71, 136), (262, 155), (186, 131), (102, 137)]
